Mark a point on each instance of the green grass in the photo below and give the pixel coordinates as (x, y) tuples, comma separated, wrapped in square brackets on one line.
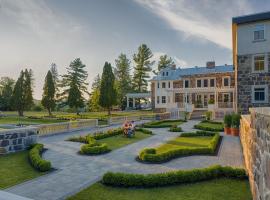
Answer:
[(219, 189), (118, 141), (27, 121), (180, 142), (163, 123), (15, 168)]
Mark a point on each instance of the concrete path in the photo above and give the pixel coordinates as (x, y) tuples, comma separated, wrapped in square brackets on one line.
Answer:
[(75, 172)]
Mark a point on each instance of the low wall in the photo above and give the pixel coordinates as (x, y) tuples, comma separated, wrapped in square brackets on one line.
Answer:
[(18, 139), (255, 139)]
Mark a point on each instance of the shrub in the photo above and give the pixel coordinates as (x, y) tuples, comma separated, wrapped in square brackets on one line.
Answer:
[(174, 128), (207, 127), (211, 101), (173, 177), (36, 160), (143, 130), (94, 149), (208, 115), (235, 120), (228, 120), (159, 124), (150, 155)]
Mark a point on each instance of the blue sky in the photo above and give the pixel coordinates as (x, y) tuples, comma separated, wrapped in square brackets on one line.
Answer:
[(35, 33)]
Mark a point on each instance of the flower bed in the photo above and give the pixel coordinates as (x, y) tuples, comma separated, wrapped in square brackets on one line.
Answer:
[(172, 178)]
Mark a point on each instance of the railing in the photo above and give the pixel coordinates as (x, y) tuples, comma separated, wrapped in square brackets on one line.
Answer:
[(225, 104)]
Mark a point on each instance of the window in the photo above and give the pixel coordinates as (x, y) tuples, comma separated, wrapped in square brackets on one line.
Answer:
[(163, 99), (259, 63), (258, 32), (186, 83), (212, 82), (167, 73), (205, 83), (163, 73), (163, 85), (226, 97), (157, 99), (226, 81), (199, 83), (169, 85), (260, 94), (157, 85), (177, 97)]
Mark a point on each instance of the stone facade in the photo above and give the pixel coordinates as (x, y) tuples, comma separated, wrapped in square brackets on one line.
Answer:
[(246, 78), (17, 139), (255, 139)]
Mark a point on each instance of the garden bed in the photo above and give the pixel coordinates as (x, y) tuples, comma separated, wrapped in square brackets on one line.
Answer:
[(163, 123)]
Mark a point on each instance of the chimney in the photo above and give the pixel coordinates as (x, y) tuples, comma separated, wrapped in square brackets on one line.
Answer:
[(210, 64)]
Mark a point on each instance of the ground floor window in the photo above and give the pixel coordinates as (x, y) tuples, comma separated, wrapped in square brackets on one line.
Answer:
[(157, 99), (163, 100), (260, 94), (177, 97)]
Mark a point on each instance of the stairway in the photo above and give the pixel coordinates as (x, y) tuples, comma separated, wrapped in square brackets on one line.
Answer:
[(198, 114)]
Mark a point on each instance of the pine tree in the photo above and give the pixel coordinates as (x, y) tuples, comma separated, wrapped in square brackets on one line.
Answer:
[(48, 97), (107, 96), (28, 84), (142, 68), (164, 61), (74, 85), (94, 95), (123, 79), (6, 88), (18, 100)]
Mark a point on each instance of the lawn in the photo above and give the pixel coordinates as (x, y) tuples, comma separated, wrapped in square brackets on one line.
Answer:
[(118, 141), (219, 189), (27, 121), (15, 168), (181, 142), (163, 123)]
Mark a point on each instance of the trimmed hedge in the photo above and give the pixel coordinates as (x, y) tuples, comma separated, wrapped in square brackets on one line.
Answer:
[(158, 124), (198, 134), (173, 177), (209, 128), (148, 155), (94, 148), (143, 130), (36, 160), (175, 129)]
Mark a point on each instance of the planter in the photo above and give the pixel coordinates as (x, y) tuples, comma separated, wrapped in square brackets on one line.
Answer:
[(235, 131), (227, 130)]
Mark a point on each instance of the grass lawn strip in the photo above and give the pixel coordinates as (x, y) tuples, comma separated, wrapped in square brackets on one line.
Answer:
[(28, 121), (15, 168), (221, 189)]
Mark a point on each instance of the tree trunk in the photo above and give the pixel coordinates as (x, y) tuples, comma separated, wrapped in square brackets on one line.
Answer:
[(109, 111), (50, 112), (20, 112)]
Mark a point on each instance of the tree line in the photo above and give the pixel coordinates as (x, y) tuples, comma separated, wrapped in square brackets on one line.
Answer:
[(70, 90)]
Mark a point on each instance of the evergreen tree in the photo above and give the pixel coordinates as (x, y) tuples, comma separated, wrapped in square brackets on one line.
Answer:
[(28, 84), (94, 95), (107, 96), (55, 75), (74, 85), (123, 79), (18, 99), (164, 61), (48, 97), (142, 68), (6, 88)]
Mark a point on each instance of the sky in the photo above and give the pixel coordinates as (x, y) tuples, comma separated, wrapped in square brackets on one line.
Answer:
[(36, 33)]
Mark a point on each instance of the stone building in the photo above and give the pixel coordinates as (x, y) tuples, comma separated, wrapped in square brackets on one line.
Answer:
[(251, 58)]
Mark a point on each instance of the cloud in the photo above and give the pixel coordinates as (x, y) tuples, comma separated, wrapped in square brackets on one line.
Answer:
[(207, 19)]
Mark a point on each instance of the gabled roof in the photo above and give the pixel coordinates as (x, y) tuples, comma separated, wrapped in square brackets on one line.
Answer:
[(251, 18), (175, 74)]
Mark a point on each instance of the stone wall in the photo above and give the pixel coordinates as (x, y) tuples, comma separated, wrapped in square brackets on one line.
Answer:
[(17, 139), (246, 79), (255, 139)]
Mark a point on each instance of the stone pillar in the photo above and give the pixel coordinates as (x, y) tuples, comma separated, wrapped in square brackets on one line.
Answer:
[(127, 102), (133, 100)]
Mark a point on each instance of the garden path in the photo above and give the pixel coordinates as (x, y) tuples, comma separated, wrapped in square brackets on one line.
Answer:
[(75, 172)]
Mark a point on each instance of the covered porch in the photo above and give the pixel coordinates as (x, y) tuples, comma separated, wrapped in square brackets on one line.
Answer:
[(132, 98)]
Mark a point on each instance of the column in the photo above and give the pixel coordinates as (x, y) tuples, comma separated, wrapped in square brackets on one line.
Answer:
[(133, 100), (127, 102)]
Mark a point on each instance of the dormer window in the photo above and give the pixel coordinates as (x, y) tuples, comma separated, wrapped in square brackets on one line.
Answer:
[(259, 32), (163, 73), (167, 73)]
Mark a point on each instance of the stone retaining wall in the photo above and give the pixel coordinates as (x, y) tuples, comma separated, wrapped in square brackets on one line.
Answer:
[(17, 139), (255, 139)]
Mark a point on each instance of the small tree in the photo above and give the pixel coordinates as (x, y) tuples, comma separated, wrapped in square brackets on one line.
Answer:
[(164, 61), (48, 97), (94, 95), (18, 101), (6, 88), (107, 96)]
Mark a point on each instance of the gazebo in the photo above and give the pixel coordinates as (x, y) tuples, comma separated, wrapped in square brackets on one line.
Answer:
[(135, 96)]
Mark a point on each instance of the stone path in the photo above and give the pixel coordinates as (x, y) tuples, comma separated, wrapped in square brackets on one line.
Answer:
[(75, 172)]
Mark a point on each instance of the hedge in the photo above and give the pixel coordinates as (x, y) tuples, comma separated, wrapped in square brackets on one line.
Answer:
[(208, 128), (198, 133), (148, 155), (173, 177), (36, 160), (94, 148), (175, 129), (158, 124), (143, 130)]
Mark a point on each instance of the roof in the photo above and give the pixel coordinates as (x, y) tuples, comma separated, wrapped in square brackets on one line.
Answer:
[(251, 18), (175, 74)]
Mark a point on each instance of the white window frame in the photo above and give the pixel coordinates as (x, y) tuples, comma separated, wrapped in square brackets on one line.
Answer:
[(229, 81), (197, 82), (162, 85), (265, 63), (162, 99), (207, 82), (184, 83), (223, 97), (253, 87), (158, 85), (210, 82), (259, 27)]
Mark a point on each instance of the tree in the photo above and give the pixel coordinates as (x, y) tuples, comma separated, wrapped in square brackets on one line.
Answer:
[(94, 95), (74, 85), (107, 96), (55, 75), (6, 88), (123, 79), (164, 61), (142, 68), (22, 97), (48, 96)]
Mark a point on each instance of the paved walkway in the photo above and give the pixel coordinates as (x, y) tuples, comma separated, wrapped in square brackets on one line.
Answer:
[(75, 172)]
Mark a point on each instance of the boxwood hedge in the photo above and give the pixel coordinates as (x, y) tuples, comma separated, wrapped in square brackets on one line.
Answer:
[(209, 128), (173, 177), (150, 155), (36, 160), (159, 124)]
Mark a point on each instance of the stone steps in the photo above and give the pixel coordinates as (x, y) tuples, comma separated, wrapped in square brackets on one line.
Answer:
[(198, 114)]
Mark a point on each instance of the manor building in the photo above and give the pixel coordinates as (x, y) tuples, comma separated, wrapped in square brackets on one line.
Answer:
[(195, 89)]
